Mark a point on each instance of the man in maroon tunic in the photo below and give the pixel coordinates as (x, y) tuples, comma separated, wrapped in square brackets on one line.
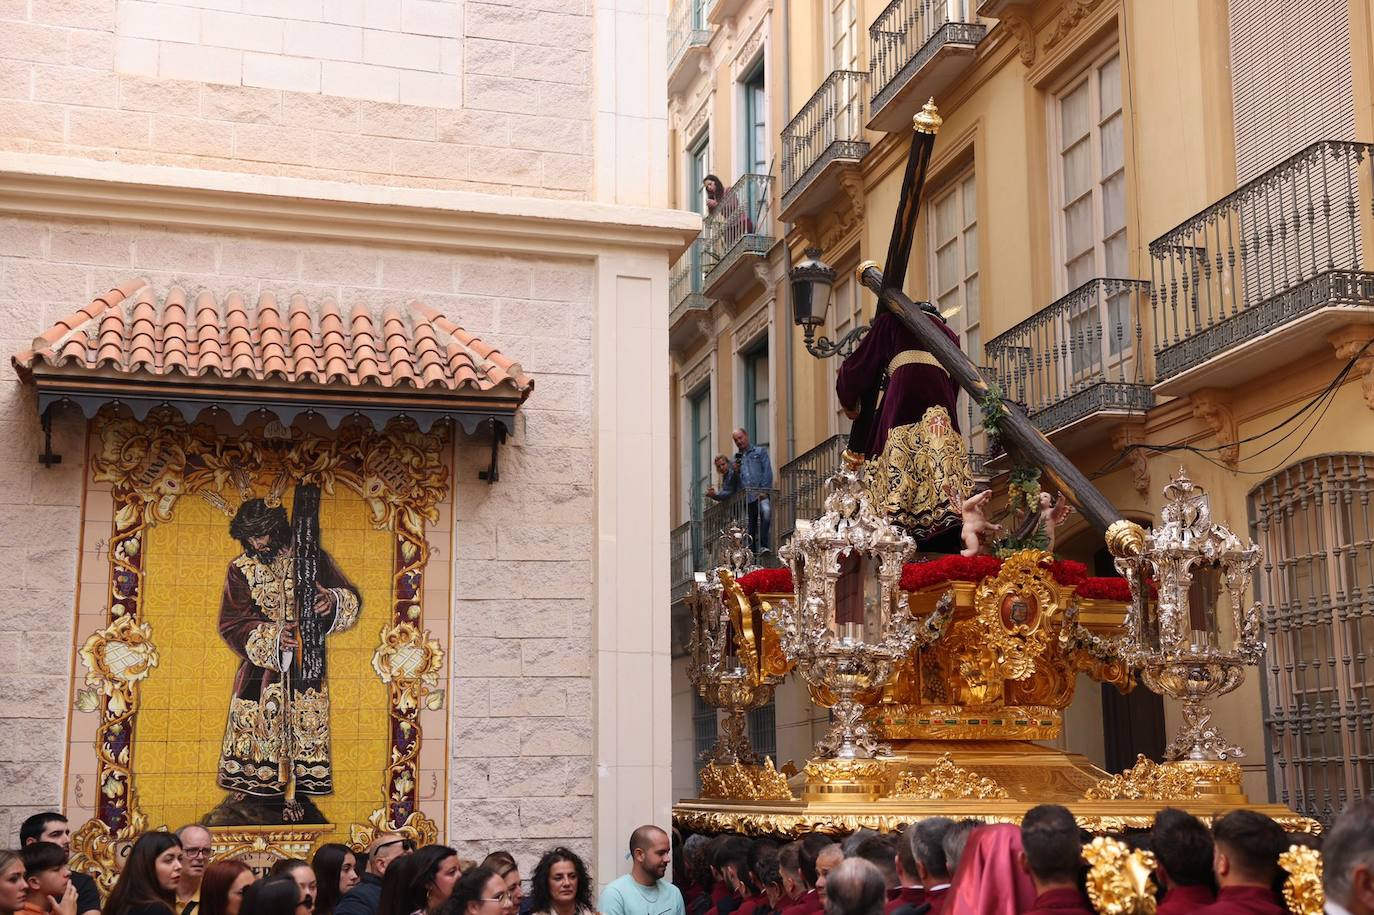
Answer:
[(1246, 862), (1052, 854), (1183, 847), (919, 474), (276, 741)]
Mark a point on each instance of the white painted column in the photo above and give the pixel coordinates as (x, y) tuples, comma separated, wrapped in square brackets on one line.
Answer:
[(633, 689)]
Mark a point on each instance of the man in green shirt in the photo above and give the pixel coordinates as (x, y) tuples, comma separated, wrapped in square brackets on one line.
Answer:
[(643, 891)]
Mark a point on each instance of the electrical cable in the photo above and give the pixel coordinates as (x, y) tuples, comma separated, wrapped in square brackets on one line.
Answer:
[(1326, 394)]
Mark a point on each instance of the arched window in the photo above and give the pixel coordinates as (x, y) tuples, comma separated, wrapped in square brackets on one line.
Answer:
[(1315, 525)]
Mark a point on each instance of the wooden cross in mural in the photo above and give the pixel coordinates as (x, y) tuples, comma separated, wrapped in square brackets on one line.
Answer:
[(1025, 443)]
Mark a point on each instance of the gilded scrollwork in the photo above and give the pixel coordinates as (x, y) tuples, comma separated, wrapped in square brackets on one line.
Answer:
[(100, 851), (1119, 881), (417, 827), (1146, 780), (1015, 611), (736, 781), (945, 781), (1302, 889)]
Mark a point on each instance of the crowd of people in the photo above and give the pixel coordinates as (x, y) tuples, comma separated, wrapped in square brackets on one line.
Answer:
[(937, 866)]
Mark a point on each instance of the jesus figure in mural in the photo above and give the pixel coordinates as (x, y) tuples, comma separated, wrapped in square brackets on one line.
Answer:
[(282, 595)]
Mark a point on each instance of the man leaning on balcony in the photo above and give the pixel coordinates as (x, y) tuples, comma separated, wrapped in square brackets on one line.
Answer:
[(755, 469)]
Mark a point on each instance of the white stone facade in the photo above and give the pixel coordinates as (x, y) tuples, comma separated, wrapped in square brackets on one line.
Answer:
[(559, 689)]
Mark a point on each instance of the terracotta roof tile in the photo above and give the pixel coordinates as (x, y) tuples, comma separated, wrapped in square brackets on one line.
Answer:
[(129, 331)]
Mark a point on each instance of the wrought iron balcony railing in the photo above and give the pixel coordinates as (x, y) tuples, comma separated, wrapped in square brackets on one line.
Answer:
[(1082, 355), (738, 226), (910, 35), (1281, 245), (686, 281), (755, 510), (687, 28), (829, 128), (802, 481), (684, 555)]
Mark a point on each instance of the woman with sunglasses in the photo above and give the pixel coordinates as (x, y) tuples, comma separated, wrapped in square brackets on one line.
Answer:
[(304, 875), (278, 895), (560, 885), (148, 883), (480, 891)]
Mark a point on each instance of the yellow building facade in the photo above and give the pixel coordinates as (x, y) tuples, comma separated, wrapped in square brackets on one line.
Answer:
[(1150, 223)]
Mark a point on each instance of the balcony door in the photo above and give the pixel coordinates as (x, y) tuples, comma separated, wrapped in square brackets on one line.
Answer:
[(847, 314), (698, 167), (756, 393), (700, 458), (1089, 182), (755, 126), (953, 235)]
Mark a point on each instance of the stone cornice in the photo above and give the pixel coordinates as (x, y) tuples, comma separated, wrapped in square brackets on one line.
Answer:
[(54, 186)]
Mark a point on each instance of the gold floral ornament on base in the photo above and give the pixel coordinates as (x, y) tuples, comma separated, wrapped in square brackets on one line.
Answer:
[(417, 827), (945, 781), (100, 853), (1120, 881), (1302, 891), (739, 782), (1147, 780)]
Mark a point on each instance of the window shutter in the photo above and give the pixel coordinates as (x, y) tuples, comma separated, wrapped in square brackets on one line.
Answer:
[(1291, 81)]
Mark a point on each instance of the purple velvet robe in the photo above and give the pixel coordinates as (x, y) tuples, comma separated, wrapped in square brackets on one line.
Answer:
[(911, 390)]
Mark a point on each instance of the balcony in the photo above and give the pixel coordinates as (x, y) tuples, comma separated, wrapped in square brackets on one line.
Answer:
[(803, 484), (742, 507), (720, 12), (688, 35), (685, 297), (1259, 278), (918, 48), (825, 137), (1076, 365), (734, 239), (684, 557)]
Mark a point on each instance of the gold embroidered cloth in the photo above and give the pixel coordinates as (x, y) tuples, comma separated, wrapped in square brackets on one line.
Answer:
[(922, 476)]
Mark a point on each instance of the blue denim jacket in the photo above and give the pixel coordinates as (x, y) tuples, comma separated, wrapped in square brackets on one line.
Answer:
[(756, 469)]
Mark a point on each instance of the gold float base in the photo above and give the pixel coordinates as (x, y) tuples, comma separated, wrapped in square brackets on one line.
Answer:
[(991, 781)]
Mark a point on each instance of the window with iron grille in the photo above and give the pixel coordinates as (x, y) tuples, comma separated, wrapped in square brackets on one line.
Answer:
[(1315, 525), (704, 724), (763, 730)]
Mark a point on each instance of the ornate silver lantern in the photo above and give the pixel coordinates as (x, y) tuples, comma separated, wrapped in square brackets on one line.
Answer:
[(1182, 575), (715, 665), (849, 623)]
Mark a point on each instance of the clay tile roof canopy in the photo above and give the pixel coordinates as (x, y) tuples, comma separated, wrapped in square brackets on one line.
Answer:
[(287, 355)]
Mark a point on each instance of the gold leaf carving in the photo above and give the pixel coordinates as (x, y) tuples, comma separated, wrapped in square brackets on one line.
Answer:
[(945, 781), (745, 783), (1120, 881), (1146, 780), (1302, 890)]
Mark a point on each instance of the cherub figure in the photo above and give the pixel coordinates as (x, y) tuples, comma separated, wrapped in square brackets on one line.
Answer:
[(1052, 514), (977, 528)]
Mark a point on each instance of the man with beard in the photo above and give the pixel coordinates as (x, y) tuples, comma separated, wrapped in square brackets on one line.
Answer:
[(643, 891), (276, 741)]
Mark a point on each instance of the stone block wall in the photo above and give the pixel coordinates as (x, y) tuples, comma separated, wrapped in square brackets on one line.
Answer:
[(520, 699), (461, 94)]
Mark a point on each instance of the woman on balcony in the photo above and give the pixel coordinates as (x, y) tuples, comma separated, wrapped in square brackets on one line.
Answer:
[(723, 205)]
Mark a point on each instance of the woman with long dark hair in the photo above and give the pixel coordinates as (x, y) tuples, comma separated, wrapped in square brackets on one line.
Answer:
[(304, 875), (148, 883), (336, 872), (223, 886), (480, 891), (278, 895), (13, 888), (560, 885), (420, 883)]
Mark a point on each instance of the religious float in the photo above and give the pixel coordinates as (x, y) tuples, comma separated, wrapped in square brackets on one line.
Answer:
[(944, 676)]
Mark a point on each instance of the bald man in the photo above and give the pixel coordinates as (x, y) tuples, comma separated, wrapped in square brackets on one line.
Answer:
[(644, 890), (364, 898)]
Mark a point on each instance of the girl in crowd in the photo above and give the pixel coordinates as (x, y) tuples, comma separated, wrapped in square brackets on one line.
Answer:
[(304, 875), (148, 883), (560, 885), (279, 895), (503, 863), (480, 891), (13, 889), (420, 883), (223, 886), (336, 872)]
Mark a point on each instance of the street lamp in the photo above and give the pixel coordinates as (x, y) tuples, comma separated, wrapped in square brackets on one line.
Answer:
[(812, 281)]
